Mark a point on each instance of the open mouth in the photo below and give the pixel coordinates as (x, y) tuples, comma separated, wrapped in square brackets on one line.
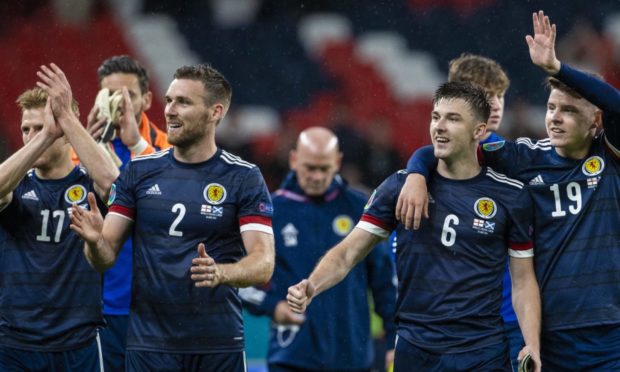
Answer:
[(441, 140)]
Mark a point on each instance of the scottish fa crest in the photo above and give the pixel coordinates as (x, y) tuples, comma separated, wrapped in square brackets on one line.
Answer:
[(214, 193), (485, 208), (75, 194), (593, 166)]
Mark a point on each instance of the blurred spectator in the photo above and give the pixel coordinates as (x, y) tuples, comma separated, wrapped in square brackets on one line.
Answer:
[(382, 159)]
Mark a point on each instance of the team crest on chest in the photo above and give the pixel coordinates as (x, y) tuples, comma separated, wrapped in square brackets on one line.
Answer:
[(214, 193), (342, 225), (485, 208), (75, 194), (593, 166)]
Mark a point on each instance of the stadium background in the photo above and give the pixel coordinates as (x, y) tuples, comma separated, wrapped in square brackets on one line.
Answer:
[(365, 68)]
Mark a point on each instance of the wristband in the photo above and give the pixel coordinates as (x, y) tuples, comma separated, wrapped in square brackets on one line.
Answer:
[(139, 147)]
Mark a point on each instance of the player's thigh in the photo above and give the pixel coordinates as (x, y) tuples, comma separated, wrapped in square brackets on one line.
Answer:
[(592, 349), (408, 357), (232, 361), (88, 358), (15, 360), (138, 361)]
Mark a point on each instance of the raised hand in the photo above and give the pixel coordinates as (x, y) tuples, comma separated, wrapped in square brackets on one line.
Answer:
[(94, 125), (300, 295), (87, 224), (55, 83), (205, 271), (128, 126), (50, 125), (542, 44)]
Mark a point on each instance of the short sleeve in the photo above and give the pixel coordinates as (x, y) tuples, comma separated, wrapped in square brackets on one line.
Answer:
[(521, 225), (379, 213), (255, 206)]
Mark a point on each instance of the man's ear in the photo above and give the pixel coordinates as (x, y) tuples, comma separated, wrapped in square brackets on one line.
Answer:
[(480, 130), (147, 101)]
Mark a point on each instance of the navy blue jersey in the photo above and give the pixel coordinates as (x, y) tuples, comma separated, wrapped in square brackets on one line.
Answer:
[(50, 297), (576, 229), (450, 271), (175, 206), (336, 332), (577, 204)]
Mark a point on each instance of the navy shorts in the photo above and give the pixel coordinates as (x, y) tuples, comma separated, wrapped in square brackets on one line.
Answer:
[(583, 349), (140, 361), (113, 342), (409, 358), (85, 359)]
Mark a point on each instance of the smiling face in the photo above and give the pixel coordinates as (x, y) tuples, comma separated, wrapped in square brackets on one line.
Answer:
[(188, 119), (571, 123), (454, 129)]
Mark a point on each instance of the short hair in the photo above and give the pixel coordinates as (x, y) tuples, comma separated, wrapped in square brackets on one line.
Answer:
[(217, 87), (37, 98), (552, 83), (125, 65), (479, 70), (472, 94)]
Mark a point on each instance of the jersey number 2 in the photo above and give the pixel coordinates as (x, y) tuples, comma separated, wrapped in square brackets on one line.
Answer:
[(180, 209)]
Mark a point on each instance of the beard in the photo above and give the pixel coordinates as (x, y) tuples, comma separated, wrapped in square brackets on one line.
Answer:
[(190, 134)]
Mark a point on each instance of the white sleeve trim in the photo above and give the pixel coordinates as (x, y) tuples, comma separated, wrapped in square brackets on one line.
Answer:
[(373, 229), (256, 227), (527, 253), (121, 215)]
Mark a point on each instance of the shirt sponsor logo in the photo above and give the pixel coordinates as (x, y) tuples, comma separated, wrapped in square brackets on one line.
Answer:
[(593, 166), (289, 235), (485, 208), (214, 193), (211, 212), (342, 225), (75, 194)]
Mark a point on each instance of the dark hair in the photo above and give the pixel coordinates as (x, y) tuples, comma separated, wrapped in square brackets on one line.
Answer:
[(479, 70), (217, 87), (470, 93), (126, 65)]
